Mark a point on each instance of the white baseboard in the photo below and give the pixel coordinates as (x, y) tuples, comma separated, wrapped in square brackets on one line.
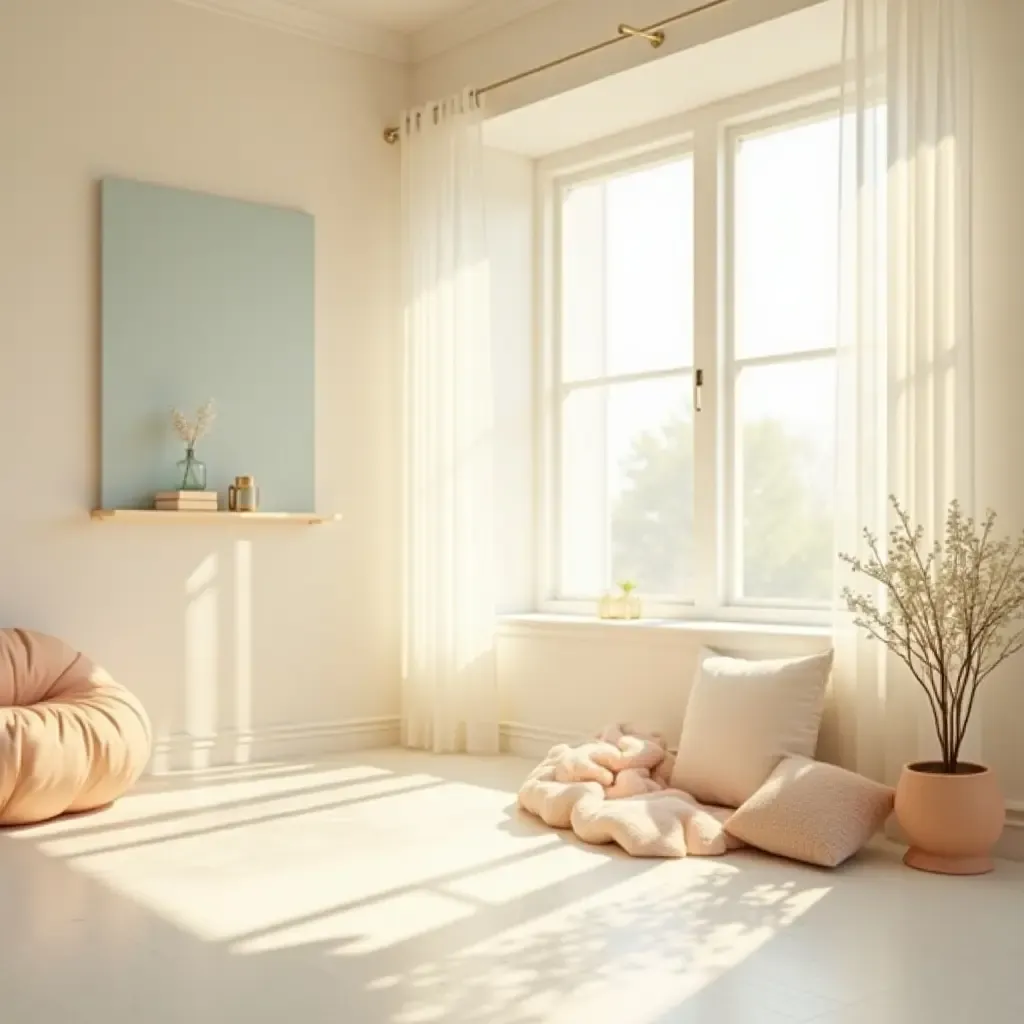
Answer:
[(533, 740), (185, 751), (1011, 845), (180, 751)]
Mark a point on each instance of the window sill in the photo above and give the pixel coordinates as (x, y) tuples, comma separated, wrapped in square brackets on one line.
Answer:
[(588, 626)]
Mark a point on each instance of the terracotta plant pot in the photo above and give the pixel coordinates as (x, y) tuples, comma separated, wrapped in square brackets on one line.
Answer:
[(951, 821)]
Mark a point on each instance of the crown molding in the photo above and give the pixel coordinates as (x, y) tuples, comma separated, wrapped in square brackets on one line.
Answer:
[(483, 17), (310, 20)]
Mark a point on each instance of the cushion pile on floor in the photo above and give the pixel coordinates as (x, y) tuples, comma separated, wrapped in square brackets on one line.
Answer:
[(618, 790), (744, 774)]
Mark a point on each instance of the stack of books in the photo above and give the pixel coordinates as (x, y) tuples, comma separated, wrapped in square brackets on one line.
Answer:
[(186, 501)]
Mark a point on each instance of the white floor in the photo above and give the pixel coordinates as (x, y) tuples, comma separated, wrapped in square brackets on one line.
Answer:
[(396, 887)]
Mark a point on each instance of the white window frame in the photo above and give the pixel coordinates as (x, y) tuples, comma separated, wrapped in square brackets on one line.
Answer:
[(707, 135), (562, 389), (732, 556)]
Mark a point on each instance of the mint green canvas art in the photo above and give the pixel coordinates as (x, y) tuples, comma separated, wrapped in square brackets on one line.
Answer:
[(205, 297)]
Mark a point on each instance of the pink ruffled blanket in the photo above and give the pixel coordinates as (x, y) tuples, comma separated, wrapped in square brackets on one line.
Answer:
[(618, 789)]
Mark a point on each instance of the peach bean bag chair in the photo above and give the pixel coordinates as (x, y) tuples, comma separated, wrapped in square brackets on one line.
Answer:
[(71, 739)]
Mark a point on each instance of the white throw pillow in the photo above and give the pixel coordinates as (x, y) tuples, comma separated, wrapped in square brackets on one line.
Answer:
[(812, 811), (743, 718)]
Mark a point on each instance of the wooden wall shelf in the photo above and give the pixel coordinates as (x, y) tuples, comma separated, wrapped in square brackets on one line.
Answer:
[(154, 516)]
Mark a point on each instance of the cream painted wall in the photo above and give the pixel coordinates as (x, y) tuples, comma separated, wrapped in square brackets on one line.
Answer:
[(289, 634)]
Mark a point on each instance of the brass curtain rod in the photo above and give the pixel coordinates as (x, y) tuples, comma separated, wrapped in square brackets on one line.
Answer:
[(654, 34)]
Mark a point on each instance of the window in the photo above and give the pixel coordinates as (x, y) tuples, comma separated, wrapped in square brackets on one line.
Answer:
[(626, 370), (784, 300), (692, 309)]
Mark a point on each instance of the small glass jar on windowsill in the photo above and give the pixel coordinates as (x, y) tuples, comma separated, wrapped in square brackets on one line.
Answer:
[(624, 605)]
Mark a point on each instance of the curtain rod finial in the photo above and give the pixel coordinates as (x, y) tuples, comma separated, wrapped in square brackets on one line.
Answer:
[(391, 136)]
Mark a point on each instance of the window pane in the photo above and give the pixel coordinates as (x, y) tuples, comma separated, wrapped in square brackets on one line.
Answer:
[(627, 488), (582, 327), (627, 273), (787, 239), (785, 437)]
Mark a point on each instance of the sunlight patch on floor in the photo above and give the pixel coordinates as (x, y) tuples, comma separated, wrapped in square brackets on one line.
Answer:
[(212, 856), (210, 789), (257, 809), (514, 880), (367, 928)]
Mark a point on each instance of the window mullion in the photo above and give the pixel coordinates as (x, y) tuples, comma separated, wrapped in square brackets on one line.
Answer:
[(708, 570), (602, 298), (548, 439), (624, 378)]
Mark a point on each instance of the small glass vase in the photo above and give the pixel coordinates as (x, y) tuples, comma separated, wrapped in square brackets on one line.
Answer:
[(619, 606), (191, 472)]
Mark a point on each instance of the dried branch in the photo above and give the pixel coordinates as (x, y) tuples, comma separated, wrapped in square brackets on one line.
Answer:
[(190, 431), (948, 612)]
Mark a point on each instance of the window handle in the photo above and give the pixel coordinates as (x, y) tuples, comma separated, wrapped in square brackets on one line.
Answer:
[(698, 384)]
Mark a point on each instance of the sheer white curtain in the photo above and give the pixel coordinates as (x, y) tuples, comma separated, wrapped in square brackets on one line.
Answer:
[(905, 394), (448, 689)]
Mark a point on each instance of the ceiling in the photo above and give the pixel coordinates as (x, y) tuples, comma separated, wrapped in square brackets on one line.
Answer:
[(406, 16), (400, 30)]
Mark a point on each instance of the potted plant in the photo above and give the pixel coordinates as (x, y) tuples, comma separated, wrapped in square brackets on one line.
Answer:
[(951, 612)]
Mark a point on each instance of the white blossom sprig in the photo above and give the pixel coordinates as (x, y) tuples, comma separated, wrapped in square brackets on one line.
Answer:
[(190, 431), (950, 612)]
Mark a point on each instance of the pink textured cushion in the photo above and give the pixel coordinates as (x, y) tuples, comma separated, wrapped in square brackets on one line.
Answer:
[(743, 717), (71, 739), (812, 811)]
